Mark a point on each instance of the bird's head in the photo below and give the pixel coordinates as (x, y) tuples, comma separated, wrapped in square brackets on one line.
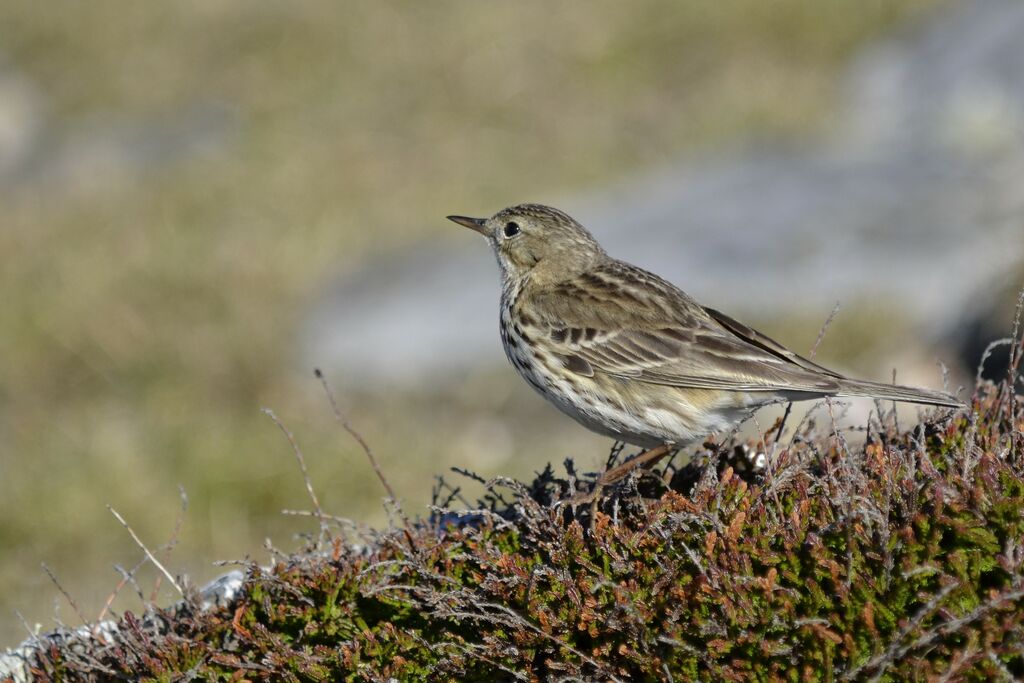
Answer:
[(536, 241)]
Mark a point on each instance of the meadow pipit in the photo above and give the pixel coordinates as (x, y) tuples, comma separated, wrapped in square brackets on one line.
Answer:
[(631, 356)]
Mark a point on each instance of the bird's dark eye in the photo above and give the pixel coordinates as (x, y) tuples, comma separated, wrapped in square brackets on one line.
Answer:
[(511, 229)]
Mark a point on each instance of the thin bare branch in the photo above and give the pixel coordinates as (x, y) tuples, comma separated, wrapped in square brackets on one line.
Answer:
[(340, 419), (178, 523), (987, 353), (354, 434), (152, 558), (305, 472), (814, 350), (782, 422), (67, 596), (823, 330), (126, 577)]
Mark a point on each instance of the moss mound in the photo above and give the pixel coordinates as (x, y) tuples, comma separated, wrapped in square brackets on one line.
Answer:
[(901, 559)]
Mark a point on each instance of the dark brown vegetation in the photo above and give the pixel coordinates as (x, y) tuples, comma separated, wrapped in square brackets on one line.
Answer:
[(902, 559)]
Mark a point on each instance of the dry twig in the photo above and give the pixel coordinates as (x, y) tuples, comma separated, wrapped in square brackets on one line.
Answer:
[(340, 419), (151, 556), (67, 596), (305, 472)]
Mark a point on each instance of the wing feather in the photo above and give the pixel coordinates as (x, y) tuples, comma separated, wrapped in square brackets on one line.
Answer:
[(661, 336)]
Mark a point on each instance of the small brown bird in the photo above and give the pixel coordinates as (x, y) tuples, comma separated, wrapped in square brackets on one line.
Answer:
[(631, 356)]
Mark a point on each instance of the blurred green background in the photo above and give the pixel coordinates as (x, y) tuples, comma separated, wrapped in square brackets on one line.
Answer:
[(203, 168)]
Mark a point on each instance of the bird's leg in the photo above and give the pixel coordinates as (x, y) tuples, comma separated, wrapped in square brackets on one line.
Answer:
[(647, 459), (610, 476)]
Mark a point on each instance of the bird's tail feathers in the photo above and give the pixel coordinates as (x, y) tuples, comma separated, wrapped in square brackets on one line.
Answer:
[(896, 392)]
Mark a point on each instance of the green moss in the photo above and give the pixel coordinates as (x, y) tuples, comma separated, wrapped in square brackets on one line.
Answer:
[(892, 561)]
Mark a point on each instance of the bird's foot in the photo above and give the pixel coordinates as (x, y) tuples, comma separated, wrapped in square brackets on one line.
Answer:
[(614, 475)]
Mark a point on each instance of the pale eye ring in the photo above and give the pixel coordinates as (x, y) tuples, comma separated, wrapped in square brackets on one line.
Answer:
[(511, 229)]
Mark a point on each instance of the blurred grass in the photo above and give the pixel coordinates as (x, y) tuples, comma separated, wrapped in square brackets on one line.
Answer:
[(151, 293)]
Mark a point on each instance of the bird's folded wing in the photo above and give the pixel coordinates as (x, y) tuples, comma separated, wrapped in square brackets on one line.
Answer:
[(695, 348), (752, 336)]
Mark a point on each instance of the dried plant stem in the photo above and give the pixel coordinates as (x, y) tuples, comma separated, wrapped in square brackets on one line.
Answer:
[(823, 330), (151, 556), (340, 419), (305, 472), (67, 596), (810, 356), (354, 434), (1016, 351), (127, 576)]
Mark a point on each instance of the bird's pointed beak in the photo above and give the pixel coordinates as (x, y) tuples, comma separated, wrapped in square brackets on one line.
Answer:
[(477, 224)]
